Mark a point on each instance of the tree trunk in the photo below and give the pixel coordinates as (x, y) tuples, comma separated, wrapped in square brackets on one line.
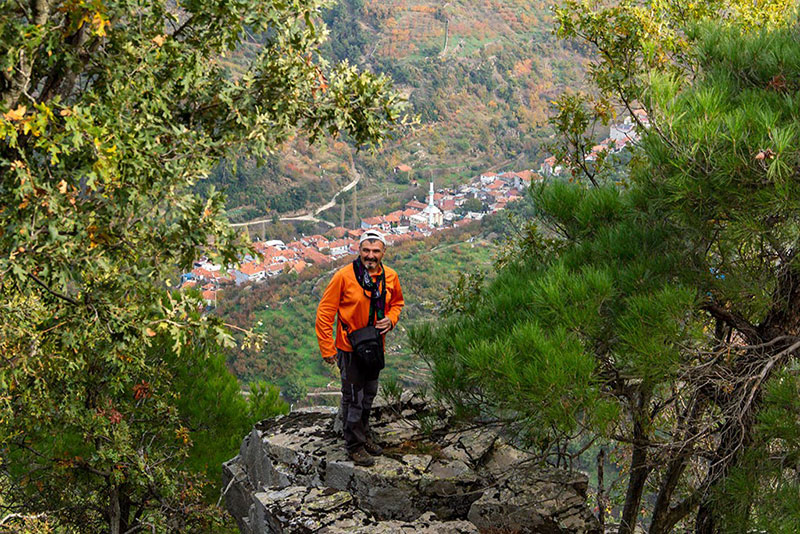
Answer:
[(601, 495), (639, 468), (664, 515), (114, 511)]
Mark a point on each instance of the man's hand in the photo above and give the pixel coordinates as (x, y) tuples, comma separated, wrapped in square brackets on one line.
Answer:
[(330, 360), (384, 325)]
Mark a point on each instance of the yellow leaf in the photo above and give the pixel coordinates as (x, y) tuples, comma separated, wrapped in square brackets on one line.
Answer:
[(62, 187), (158, 40), (149, 332), (66, 112), (16, 114), (100, 22)]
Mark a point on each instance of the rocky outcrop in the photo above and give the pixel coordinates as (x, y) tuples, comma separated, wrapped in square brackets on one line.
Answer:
[(293, 476)]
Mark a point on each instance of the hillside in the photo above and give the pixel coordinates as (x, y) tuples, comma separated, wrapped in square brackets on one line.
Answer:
[(284, 310), (480, 75)]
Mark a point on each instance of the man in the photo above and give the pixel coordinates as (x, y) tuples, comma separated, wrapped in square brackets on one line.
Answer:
[(362, 293)]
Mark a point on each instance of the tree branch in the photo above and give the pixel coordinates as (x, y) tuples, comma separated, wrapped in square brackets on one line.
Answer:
[(734, 320), (54, 293)]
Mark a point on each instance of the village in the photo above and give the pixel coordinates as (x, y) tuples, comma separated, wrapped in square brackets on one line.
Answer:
[(445, 210)]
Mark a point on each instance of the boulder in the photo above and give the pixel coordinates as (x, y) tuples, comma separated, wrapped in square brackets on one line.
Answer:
[(535, 499), (292, 475)]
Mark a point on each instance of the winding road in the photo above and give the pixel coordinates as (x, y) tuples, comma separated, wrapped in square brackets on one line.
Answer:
[(309, 216)]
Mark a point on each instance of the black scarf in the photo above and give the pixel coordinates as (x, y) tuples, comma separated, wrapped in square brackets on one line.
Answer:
[(375, 290)]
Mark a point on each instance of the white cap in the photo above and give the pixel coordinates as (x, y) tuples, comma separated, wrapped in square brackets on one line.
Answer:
[(369, 235)]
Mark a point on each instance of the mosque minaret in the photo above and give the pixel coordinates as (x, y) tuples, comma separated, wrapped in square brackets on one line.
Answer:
[(434, 215)]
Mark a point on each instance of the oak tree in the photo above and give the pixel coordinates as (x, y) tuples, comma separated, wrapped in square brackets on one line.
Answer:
[(110, 112)]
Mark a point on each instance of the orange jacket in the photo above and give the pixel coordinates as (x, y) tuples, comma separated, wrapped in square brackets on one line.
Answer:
[(346, 298)]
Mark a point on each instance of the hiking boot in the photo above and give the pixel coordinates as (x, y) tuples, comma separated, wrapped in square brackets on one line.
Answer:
[(373, 448), (361, 457)]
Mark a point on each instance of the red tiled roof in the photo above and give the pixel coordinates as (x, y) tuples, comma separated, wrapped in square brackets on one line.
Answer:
[(415, 204), (339, 243), (403, 168), (392, 218), (272, 252), (251, 268), (497, 184), (313, 255), (199, 272), (209, 295), (410, 211), (372, 221), (298, 266), (448, 204), (355, 233)]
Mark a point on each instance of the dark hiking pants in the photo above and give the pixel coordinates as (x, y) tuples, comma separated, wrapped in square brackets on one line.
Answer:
[(358, 392)]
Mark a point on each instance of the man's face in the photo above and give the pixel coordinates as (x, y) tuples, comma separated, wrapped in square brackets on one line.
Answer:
[(371, 253)]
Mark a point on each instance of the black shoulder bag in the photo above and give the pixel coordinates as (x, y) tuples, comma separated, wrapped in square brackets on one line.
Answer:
[(367, 342)]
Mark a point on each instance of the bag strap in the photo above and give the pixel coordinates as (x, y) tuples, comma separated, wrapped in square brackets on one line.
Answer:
[(372, 311), (378, 312)]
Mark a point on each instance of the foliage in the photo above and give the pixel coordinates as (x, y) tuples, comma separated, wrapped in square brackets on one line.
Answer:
[(472, 204), (110, 112), (663, 316), (265, 401)]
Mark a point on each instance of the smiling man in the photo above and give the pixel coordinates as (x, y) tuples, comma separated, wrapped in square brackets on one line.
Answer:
[(367, 299)]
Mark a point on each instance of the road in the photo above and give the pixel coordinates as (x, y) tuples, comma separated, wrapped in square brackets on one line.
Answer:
[(308, 216)]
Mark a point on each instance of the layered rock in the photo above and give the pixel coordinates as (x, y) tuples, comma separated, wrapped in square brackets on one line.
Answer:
[(292, 475)]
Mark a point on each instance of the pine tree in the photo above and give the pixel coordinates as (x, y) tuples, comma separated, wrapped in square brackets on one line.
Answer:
[(661, 313)]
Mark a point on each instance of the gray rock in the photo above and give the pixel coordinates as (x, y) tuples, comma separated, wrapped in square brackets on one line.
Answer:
[(535, 500), (300, 509), (292, 475)]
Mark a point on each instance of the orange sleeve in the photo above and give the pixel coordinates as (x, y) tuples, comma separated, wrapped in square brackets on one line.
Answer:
[(326, 314), (396, 304)]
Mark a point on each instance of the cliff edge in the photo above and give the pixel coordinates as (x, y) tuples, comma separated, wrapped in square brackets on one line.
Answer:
[(292, 476)]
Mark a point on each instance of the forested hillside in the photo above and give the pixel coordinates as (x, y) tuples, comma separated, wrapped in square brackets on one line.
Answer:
[(480, 75)]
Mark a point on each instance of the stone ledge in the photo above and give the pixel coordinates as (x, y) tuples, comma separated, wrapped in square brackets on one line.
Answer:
[(292, 473)]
